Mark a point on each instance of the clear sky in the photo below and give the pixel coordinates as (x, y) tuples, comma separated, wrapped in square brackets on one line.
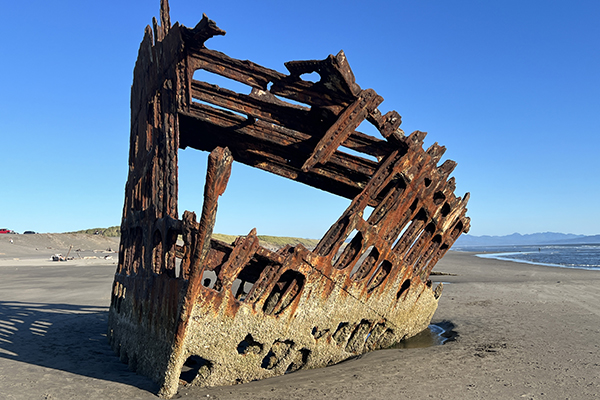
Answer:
[(511, 88)]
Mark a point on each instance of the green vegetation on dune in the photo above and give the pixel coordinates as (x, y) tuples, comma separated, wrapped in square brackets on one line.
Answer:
[(224, 238), (112, 231), (281, 241), (276, 241)]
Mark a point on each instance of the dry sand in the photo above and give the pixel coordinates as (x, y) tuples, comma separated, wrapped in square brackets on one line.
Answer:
[(524, 331)]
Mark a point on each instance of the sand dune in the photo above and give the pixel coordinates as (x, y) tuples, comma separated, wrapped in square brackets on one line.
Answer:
[(44, 245)]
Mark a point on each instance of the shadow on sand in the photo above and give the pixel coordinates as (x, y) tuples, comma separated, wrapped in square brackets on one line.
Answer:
[(65, 337)]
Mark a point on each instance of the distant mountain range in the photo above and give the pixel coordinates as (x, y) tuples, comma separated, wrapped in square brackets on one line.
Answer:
[(529, 239)]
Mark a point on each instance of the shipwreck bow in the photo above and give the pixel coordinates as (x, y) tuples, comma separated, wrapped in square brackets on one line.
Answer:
[(231, 313)]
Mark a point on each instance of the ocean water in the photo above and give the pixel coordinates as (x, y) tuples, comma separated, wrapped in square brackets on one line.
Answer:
[(584, 256)]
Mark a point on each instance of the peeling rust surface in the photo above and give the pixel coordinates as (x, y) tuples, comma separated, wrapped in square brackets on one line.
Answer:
[(227, 313)]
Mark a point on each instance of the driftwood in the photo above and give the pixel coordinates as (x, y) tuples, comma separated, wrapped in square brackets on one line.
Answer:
[(206, 312)]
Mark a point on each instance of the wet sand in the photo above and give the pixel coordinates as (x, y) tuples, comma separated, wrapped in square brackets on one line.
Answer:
[(524, 331)]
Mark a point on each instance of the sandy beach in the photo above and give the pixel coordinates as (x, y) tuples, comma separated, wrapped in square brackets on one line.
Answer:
[(523, 331)]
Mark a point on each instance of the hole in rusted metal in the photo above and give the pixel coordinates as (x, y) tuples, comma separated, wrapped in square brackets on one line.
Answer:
[(195, 366), (249, 346), (293, 102), (367, 212), (425, 234), (445, 210), (438, 198), (240, 289), (411, 235), (177, 267), (197, 101), (368, 128), (403, 289), (209, 278), (221, 81), (360, 261), (350, 252), (165, 255), (374, 335), (341, 333), (191, 165), (359, 337), (391, 193), (278, 351), (246, 279), (458, 228), (319, 333), (430, 228), (300, 359), (285, 291), (365, 264), (399, 235), (386, 340), (422, 264), (313, 77), (355, 153), (379, 276), (335, 238)]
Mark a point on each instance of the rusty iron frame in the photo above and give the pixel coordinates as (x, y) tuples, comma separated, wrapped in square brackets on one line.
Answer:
[(240, 311)]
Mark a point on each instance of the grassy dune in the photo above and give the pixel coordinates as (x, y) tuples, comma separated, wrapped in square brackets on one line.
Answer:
[(112, 231), (272, 241), (265, 240)]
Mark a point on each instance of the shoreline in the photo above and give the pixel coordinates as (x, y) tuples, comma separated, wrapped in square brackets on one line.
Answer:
[(504, 253), (497, 256), (523, 331)]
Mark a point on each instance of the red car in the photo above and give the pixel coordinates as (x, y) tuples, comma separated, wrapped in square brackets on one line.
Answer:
[(2, 230)]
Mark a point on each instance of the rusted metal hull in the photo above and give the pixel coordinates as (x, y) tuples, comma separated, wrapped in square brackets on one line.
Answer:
[(232, 313)]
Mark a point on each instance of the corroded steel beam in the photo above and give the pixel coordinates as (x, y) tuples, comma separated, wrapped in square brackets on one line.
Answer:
[(187, 309)]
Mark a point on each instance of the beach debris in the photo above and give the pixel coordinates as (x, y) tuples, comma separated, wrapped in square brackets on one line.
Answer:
[(60, 257), (69, 252), (208, 313)]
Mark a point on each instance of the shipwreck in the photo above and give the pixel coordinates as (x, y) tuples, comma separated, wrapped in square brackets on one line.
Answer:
[(227, 313)]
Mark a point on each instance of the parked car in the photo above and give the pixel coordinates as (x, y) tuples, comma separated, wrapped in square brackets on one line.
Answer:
[(28, 233), (3, 230)]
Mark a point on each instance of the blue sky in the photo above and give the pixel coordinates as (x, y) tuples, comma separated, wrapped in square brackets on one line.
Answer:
[(511, 88)]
